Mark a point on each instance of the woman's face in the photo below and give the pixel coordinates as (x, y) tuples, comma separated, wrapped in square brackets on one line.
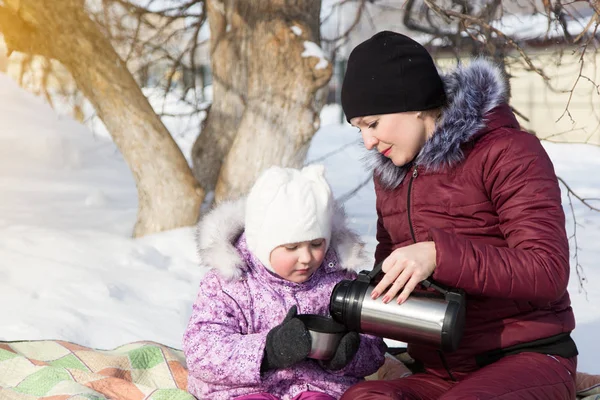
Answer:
[(296, 262), (398, 136)]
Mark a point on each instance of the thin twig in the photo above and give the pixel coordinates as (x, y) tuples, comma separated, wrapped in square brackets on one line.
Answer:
[(344, 37), (347, 196), (331, 153), (514, 110), (579, 75), (508, 40), (547, 138), (581, 278), (179, 115), (581, 199)]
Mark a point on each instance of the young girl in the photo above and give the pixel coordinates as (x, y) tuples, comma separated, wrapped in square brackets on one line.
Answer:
[(274, 255), (466, 197)]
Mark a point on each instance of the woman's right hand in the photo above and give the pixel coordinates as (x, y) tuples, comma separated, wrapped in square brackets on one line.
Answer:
[(404, 268)]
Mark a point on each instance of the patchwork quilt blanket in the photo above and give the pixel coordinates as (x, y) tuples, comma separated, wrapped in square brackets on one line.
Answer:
[(58, 370)]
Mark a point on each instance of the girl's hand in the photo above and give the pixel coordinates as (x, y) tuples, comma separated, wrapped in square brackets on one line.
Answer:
[(405, 268)]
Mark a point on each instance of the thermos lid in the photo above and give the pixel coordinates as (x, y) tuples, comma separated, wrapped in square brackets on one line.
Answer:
[(454, 321), (345, 304)]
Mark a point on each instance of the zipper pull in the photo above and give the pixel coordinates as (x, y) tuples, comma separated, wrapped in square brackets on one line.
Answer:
[(415, 172)]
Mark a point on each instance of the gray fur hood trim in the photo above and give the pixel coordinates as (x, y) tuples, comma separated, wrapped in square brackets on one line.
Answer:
[(218, 231), (472, 92)]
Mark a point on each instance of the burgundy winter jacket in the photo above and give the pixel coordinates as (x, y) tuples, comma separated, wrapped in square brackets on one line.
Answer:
[(486, 193)]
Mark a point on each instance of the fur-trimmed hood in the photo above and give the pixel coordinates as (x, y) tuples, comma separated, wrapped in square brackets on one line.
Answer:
[(472, 92), (218, 231)]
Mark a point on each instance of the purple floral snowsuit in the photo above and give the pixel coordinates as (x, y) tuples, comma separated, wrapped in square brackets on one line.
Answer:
[(239, 303)]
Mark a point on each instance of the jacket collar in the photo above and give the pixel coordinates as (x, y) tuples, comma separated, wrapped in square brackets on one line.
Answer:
[(220, 229), (472, 91)]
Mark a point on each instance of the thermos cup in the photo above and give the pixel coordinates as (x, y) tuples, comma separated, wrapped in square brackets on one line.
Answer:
[(325, 335), (433, 317)]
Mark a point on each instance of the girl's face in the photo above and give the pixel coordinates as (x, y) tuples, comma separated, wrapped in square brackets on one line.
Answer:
[(296, 262), (398, 136)]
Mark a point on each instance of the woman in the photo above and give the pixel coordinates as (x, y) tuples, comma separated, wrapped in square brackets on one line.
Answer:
[(467, 198)]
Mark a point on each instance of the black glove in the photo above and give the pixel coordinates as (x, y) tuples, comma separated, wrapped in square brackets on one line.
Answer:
[(344, 353), (287, 344)]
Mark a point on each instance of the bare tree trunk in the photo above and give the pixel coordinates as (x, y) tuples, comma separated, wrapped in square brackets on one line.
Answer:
[(169, 196), (229, 83), (265, 109)]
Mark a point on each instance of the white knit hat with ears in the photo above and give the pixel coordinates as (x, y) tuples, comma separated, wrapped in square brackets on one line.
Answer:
[(288, 205)]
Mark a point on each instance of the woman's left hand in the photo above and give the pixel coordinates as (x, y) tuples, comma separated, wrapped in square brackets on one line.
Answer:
[(405, 268)]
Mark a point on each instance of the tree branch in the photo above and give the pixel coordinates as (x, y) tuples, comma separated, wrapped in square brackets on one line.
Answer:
[(579, 75), (347, 196), (477, 21), (343, 38), (18, 34), (334, 152), (581, 278), (411, 24), (581, 199)]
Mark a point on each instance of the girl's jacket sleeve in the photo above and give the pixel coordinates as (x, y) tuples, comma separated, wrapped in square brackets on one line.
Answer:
[(216, 343), (520, 181)]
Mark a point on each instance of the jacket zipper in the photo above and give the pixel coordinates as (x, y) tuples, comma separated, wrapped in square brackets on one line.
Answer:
[(415, 173), (412, 178)]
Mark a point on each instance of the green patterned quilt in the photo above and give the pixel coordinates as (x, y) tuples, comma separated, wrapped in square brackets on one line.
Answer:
[(58, 370)]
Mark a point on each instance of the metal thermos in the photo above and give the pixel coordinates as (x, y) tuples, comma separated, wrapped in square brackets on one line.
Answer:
[(432, 317)]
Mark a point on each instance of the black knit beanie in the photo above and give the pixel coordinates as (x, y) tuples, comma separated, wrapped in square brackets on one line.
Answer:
[(390, 73)]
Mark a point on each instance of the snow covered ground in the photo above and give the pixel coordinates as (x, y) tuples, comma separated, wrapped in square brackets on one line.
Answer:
[(69, 269)]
